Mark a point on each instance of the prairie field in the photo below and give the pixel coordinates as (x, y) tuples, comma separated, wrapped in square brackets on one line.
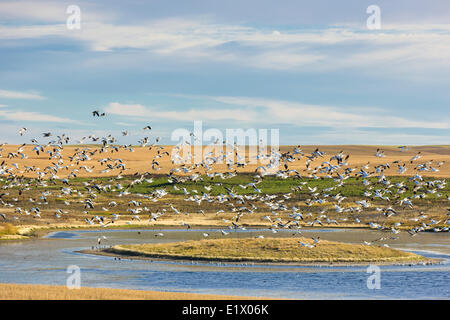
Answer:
[(139, 159)]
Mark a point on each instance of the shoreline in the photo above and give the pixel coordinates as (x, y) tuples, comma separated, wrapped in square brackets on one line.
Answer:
[(28, 232), (429, 261), (38, 231)]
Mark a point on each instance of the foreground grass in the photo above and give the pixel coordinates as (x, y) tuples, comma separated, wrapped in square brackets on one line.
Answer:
[(45, 292), (9, 232), (268, 250), (7, 229)]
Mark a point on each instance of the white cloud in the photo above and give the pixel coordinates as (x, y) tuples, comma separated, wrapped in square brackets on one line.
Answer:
[(126, 124), (321, 49), (283, 60), (48, 11), (355, 136), (44, 11), (269, 111), (278, 111), (142, 113), (33, 116), (20, 95)]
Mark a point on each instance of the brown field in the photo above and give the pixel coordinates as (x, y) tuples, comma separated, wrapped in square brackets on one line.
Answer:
[(46, 292), (140, 160)]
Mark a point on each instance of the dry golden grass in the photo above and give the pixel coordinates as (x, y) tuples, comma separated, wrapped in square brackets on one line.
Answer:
[(7, 229), (46, 292), (268, 250), (141, 159)]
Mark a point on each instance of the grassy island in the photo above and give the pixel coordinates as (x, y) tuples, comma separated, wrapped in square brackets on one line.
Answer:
[(268, 250)]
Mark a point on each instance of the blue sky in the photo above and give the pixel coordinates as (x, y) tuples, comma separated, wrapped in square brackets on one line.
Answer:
[(311, 69)]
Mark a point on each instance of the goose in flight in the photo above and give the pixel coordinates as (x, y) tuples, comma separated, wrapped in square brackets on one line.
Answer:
[(99, 239), (417, 156), (402, 168), (330, 221), (98, 114), (380, 153), (407, 202), (88, 204), (184, 224), (22, 131), (318, 153), (388, 211), (307, 245), (316, 240)]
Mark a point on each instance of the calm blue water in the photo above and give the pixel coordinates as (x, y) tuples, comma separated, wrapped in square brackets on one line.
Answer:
[(45, 261)]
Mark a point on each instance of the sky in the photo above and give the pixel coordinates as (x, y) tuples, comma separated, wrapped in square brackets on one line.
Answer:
[(314, 70)]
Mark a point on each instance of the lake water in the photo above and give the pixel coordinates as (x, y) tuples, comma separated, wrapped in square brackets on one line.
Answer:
[(45, 261)]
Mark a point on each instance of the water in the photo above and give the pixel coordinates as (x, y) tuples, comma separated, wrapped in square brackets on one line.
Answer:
[(45, 261)]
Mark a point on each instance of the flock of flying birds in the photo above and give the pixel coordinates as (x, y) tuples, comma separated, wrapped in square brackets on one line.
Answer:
[(387, 195)]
